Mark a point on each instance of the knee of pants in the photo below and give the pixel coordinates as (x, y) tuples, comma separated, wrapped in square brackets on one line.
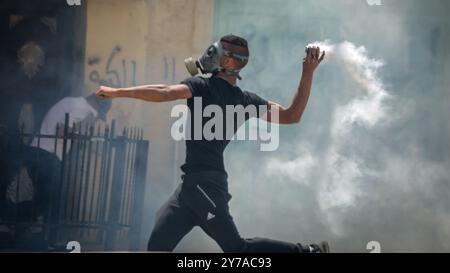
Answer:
[(234, 246)]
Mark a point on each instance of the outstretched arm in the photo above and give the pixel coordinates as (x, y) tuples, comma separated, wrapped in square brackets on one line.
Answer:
[(154, 92), (294, 112)]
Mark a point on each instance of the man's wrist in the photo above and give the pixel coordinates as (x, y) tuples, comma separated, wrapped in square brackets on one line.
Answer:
[(307, 73), (120, 92)]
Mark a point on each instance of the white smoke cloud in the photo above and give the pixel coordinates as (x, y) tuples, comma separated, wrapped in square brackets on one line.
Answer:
[(341, 176), (298, 169), (369, 180), (368, 108)]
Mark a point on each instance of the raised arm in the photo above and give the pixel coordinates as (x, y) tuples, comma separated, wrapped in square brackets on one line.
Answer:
[(154, 93), (294, 112)]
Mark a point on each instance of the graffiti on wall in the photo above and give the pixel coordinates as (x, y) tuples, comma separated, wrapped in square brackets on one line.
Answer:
[(117, 74), (121, 72)]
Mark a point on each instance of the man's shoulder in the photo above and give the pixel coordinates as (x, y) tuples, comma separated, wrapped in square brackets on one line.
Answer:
[(251, 97), (249, 93), (198, 85), (196, 80)]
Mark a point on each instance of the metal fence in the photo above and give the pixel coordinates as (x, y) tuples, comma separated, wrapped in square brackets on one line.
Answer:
[(90, 188)]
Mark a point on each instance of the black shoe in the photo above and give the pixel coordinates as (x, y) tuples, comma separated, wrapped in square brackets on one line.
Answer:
[(322, 247)]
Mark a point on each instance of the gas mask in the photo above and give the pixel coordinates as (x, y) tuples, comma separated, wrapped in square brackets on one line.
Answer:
[(211, 59)]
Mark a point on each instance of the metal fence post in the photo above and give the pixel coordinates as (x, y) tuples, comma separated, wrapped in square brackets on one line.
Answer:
[(62, 187), (118, 144), (139, 193)]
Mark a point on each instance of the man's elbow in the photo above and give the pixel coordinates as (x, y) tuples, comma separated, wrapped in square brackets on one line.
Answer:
[(174, 92), (290, 118), (294, 119), (165, 94)]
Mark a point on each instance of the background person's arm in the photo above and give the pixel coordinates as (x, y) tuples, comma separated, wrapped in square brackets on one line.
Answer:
[(153, 93), (294, 112)]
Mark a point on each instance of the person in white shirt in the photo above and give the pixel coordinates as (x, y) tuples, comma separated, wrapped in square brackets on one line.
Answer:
[(80, 110)]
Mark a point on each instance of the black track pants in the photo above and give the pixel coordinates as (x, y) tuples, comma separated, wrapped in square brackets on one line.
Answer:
[(202, 200)]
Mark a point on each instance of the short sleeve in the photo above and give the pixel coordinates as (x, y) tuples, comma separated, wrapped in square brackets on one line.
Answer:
[(197, 85), (251, 98)]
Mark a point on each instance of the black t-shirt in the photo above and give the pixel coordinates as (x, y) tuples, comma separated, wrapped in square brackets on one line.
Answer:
[(207, 155)]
